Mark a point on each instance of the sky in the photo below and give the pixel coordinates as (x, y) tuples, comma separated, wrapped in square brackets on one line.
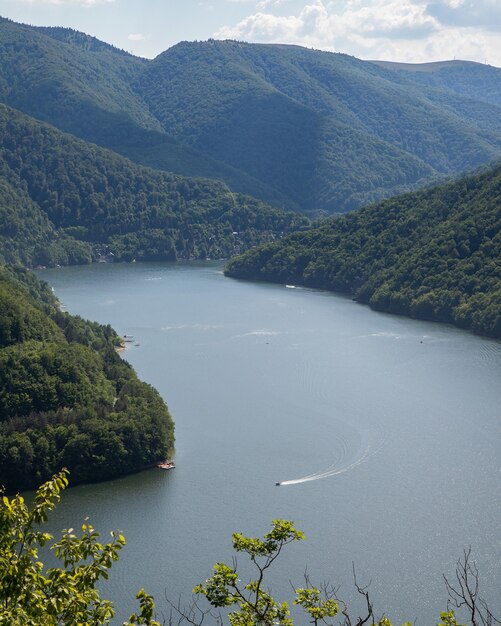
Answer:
[(413, 31)]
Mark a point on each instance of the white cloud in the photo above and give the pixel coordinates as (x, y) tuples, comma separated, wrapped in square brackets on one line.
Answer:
[(263, 4), (404, 30), (82, 3), (319, 23), (467, 13), (136, 37)]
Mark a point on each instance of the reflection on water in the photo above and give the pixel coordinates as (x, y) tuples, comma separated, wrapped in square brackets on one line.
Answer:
[(400, 419)]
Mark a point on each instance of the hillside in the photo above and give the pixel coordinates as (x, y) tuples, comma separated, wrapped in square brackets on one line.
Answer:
[(86, 87), (432, 255), (66, 397), (351, 131), (465, 78), (294, 127), (65, 201)]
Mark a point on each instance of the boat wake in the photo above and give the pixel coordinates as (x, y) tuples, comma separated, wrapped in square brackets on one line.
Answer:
[(336, 468)]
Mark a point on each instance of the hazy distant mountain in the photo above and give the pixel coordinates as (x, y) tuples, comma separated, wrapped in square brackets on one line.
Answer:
[(298, 128), (433, 254), (466, 78)]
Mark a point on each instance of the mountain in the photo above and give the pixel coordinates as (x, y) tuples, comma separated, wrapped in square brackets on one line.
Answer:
[(85, 87), (298, 128), (477, 81), (433, 254), (63, 200), (336, 131), (66, 398)]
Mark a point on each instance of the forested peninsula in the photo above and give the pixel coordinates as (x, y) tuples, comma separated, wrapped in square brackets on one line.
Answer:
[(67, 399), (433, 255)]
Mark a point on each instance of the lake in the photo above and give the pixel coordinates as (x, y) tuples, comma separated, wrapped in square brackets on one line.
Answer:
[(386, 432)]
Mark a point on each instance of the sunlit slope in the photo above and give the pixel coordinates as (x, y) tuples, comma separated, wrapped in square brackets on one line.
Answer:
[(86, 87), (298, 128)]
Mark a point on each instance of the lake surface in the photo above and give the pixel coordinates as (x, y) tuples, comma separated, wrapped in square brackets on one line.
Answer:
[(395, 423)]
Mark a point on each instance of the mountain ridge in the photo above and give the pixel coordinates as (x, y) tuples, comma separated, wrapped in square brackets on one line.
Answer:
[(253, 115)]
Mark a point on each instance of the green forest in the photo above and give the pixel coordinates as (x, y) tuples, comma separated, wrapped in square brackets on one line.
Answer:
[(297, 128), (67, 399), (261, 154), (65, 201), (433, 255)]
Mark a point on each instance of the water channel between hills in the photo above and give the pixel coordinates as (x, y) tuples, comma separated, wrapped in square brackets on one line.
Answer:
[(387, 430)]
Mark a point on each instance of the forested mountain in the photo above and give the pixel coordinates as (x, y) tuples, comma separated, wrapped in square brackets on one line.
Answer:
[(466, 78), (86, 87), (295, 127), (432, 254), (63, 200), (353, 130), (66, 397)]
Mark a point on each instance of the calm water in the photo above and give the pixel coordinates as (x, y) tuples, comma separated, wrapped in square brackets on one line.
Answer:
[(396, 422)]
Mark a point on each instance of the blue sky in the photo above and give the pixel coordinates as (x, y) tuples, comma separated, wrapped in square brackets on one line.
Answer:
[(395, 30)]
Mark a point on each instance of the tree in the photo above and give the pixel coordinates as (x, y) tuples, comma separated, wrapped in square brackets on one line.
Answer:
[(254, 606), (464, 592), (30, 594)]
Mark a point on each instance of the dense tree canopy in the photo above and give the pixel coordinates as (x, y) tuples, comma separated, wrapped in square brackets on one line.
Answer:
[(297, 128), (86, 87), (66, 397), (432, 254), (65, 201), (329, 130)]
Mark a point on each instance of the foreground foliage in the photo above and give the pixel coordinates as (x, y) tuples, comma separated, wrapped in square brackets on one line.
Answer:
[(67, 594), (252, 605), (433, 255), (30, 593), (66, 397)]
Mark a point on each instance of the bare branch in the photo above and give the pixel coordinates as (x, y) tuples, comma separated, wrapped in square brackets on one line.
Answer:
[(192, 614), (463, 594)]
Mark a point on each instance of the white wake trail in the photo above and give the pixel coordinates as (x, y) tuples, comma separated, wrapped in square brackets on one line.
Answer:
[(335, 470)]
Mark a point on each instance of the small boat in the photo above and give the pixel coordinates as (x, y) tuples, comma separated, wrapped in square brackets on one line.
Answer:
[(166, 465), (278, 484)]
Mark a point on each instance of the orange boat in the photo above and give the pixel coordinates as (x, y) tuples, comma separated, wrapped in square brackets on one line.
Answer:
[(166, 465)]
